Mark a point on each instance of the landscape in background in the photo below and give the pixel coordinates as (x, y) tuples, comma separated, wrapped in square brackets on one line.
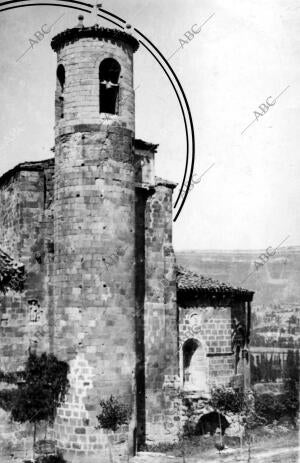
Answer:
[(275, 337)]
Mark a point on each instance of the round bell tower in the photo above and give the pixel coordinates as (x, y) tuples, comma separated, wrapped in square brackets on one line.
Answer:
[(94, 229)]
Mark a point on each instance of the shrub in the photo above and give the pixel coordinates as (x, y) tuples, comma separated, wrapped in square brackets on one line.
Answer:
[(45, 384), (8, 398), (268, 406), (113, 414), (227, 399), (273, 407), (291, 406), (43, 390), (160, 447), (11, 377), (51, 459), (291, 383), (188, 429)]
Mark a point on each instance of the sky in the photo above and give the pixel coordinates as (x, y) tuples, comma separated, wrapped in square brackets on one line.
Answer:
[(245, 54)]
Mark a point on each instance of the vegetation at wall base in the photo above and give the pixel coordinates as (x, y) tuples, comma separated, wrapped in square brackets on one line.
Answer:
[(58, 458), (275, 407), (43, 390), (226, 399), (11, 377), (113, 414), (8, 398)]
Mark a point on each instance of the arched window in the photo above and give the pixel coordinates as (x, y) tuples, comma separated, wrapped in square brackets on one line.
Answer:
[(61, 77), (195, 366), (189, 348), (60, 73), (109, 73)]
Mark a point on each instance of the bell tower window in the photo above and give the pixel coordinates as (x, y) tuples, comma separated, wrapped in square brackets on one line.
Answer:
[(109, 73), (189, 348), (60, 87)]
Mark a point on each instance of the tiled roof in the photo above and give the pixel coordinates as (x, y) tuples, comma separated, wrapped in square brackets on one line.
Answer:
[(144, 145), (188, 281), (165, 182), (12, 273)]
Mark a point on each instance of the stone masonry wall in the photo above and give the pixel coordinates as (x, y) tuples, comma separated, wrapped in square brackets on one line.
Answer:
[(161, 335), (10, 217), (25, 234), (212, 328), (23, 224)]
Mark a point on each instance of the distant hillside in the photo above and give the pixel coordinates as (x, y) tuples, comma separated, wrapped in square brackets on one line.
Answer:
[(276, 285)]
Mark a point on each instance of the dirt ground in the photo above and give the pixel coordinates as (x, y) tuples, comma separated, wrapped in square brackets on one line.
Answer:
[(268, 446)]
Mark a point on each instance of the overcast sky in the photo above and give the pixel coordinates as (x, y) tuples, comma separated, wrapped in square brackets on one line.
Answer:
[(246, 52)]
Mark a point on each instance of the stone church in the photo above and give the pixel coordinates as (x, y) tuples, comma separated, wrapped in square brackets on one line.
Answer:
[(88, 271)]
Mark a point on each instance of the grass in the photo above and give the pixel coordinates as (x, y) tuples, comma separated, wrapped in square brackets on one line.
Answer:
[(264, 437)]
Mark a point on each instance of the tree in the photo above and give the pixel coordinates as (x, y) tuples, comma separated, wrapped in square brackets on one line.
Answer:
[(291, 372), (291, 383), (42, 390), (263, 368), (255, 372)]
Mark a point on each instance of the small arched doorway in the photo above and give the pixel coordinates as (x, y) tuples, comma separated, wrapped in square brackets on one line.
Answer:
[(210, 422)]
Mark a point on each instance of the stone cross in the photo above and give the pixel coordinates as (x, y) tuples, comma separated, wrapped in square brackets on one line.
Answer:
[(96, 8)]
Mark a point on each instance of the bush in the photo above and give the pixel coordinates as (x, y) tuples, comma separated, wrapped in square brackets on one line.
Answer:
[(43, 390), (273, 407), (51, 459), (11, 377), (227, 399), (8, 398), (113, 414), (269, 407), (291, 406), (188, 429), (160, 447)]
